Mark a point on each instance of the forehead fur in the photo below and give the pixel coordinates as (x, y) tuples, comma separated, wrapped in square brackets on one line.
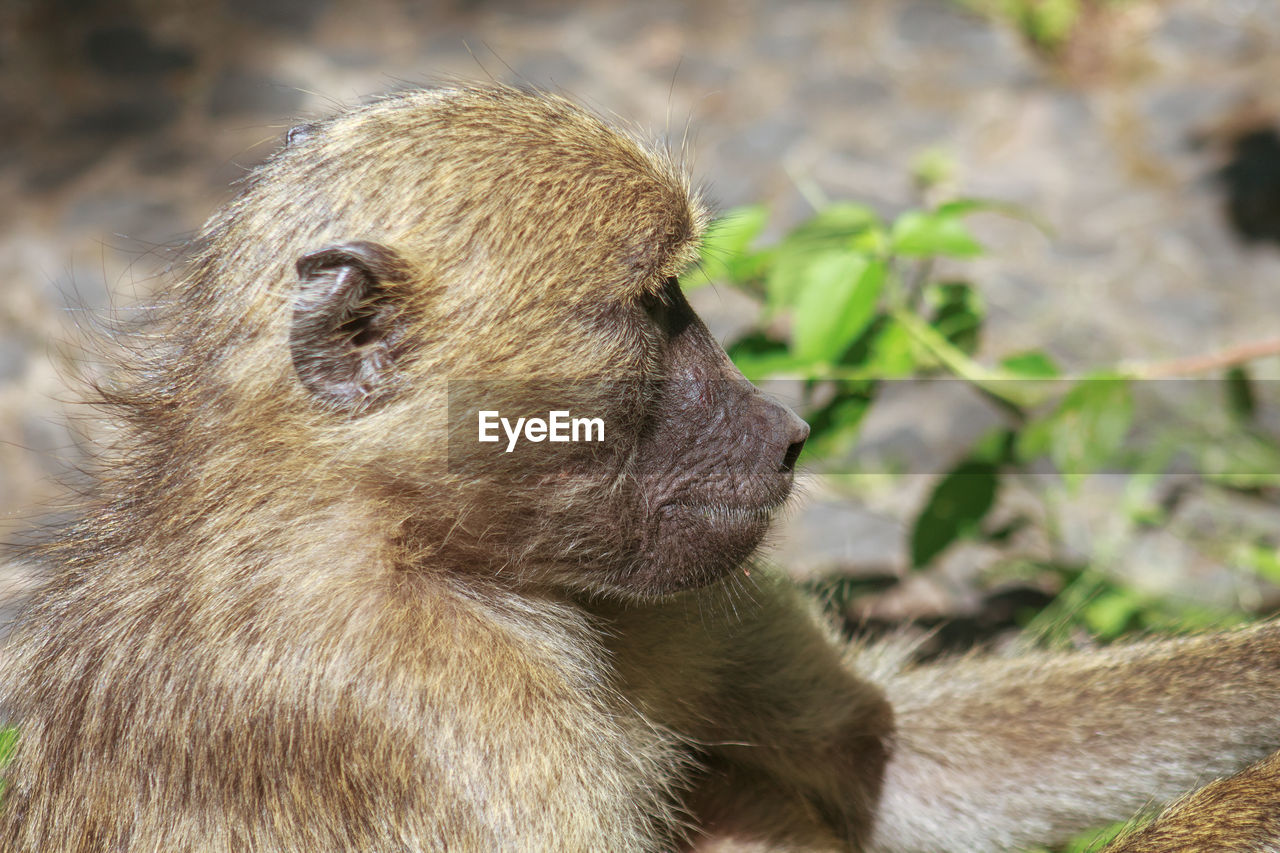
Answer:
[(490, 185)]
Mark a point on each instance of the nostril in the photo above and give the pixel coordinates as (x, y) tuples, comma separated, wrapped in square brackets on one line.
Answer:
[(793, 453)]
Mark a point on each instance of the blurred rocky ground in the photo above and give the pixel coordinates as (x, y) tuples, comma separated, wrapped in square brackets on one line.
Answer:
[(1151, 152)]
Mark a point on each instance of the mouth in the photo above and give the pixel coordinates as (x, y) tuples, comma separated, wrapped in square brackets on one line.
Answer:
[(695, 541), (695, 544), (718, 528), (729, 514)]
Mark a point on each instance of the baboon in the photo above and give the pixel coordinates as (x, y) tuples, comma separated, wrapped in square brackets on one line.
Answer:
[(1240, 814), (309, 609)]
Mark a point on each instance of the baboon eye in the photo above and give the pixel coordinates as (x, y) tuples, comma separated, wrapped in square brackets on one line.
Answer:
[(657, 304), (653, 304)]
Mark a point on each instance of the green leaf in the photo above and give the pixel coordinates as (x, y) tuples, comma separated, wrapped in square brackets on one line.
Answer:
[(759, 356), (835, 224), (932, 167), (786, 277), (1241, 401), (994, 446), (755, 343), (965, 206), (763, 366), (893, 355), (836, 305), (919, 233), (834, 427), (955, 509), (1094, 419), (1032, 364), (1050, 22), (725, 246), (1035, 439), (1113, 612), (1261, 560), (838, 228), (872, 241), (958, 314), (1242, 460), (1086, 430), (1094, 840), (733, 232), (8, 740)]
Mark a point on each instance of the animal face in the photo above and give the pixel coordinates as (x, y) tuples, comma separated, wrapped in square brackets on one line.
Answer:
[(527, 282)]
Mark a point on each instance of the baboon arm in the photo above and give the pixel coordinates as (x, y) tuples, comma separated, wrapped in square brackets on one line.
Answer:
[(790, 738), (999, 753), (970, 755), (745, 669)]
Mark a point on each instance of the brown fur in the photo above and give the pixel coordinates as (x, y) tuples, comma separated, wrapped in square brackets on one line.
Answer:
[(1239, 814), (304, 614)]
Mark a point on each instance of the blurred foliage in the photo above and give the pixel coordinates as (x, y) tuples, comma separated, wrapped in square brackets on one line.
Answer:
[(848, 302), (8, 740), (1089, 841), (1048, 25)]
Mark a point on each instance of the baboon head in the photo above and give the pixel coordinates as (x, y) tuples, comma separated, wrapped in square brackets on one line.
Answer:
[(403, 268)]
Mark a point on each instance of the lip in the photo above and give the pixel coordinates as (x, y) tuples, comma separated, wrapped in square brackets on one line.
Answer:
[(696, 542), (770, 501), (727, 513)]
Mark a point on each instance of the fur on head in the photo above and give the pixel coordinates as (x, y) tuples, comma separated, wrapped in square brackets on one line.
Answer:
[(395, 269)]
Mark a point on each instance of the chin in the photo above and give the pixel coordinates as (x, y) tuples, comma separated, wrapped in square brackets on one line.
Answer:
[(696, 545)]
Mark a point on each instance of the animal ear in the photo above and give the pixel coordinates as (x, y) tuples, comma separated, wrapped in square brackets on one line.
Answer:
[(348, 326)]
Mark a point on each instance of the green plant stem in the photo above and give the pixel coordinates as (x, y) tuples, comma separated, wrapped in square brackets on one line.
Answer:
[(1002, 385)]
